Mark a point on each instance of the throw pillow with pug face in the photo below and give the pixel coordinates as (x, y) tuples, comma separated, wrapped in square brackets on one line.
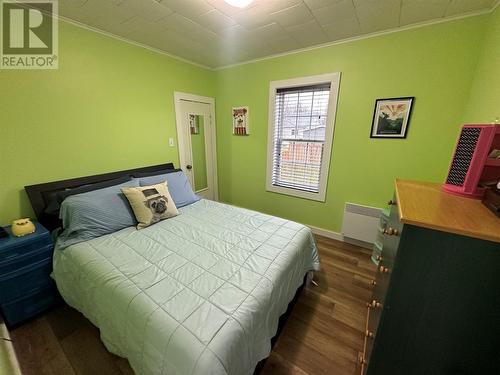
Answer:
[(150, 204)]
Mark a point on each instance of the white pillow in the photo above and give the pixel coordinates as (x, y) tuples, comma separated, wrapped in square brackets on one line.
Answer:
[(150, 204)]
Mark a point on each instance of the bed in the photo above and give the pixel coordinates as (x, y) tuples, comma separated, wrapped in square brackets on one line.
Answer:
[(199, 293)]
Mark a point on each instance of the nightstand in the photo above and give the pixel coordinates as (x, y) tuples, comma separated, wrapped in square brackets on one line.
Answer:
[(26, 288)]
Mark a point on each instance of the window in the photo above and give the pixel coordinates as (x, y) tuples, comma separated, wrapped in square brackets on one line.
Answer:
[(301, 121)]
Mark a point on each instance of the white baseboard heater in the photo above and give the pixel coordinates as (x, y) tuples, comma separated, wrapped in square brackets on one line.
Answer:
[(360, 222)]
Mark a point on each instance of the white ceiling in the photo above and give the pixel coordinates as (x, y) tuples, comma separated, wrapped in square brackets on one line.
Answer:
[(214, 34)]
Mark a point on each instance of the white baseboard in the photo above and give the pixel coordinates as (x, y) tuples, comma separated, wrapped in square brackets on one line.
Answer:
[(339, 237), (327, 233)]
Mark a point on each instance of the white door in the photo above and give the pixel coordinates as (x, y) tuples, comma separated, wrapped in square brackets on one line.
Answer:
[(196, 136)]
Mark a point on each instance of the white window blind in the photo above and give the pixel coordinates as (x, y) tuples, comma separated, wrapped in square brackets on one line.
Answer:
[(300, 117)]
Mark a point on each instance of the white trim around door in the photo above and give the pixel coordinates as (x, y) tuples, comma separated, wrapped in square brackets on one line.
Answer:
[(183, 142)]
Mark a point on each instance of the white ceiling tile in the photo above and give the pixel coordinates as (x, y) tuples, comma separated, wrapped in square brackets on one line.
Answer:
[(374, 16), (465, 6), (172, 41), (295, 15), (413, 11), (359, 3), (268, 32), (226, 8), (253, 17), (215, 20), (138, 25), (71, 4), (177, 21), (188, 8), (235, 45), (259, 15), (234, 32), (79, 11), (339, 10), (271, 6), (180, 24), (283, 44), (308, 34), (108, 13), (315, 4), (149, 10), (342, 29), (232, 51)]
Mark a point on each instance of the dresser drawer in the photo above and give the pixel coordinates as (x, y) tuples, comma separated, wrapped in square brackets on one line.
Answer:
[(24, 308), (389, 246), (24, 259), (377, 303), (394, 219), (18, 283), (13, 247)]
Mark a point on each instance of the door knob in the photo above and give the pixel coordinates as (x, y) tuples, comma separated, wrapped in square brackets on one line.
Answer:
[(189, 167)]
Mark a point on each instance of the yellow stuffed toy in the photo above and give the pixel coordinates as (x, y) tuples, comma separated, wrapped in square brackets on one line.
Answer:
[(22, 227)]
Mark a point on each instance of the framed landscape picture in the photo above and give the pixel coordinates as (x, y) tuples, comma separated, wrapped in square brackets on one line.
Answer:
[(391, 117)]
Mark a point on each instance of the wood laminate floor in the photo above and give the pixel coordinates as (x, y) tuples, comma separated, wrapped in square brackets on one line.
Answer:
[(323, 334)]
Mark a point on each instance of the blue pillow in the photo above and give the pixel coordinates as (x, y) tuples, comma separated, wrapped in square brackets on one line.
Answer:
[(178, 186), (96, 213)]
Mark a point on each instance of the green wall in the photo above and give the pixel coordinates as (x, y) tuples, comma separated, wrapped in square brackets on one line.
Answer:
[(109, 106), (433, 63), (484, 102)]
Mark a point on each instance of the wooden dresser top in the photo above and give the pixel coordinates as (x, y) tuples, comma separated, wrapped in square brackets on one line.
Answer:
[(424, 204)]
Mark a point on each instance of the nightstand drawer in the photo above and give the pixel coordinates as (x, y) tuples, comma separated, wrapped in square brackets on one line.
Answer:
[(13, 247), (13, 264), (24, 308), (20, 282)]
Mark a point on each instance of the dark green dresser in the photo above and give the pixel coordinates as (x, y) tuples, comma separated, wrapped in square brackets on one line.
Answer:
[(436, 299)]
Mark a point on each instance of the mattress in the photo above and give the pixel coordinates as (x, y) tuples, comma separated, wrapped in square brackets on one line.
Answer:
[(200, 293)]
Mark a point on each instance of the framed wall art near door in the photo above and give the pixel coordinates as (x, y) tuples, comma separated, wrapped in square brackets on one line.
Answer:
[(240, 121), (391, 117)]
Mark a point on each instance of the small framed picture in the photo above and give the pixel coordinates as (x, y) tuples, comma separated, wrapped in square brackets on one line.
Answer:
[(391, 117), (240, 121)]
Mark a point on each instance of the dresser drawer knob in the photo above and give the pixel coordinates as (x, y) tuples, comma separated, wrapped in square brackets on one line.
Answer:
[(369, 334), (374, 304), (391, 232), (392, 203), (373, 282), (379, 257), (361, 359), (383, 269)]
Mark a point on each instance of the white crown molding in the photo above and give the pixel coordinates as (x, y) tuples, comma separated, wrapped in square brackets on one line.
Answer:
[(361, 37)]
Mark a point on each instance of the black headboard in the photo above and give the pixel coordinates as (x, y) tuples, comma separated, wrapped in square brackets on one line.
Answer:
[(37, 194)]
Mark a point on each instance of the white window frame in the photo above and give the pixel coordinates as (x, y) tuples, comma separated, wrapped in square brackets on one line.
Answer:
[(334, 80)]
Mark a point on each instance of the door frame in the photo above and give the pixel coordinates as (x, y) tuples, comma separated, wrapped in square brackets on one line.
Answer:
[(181, 140)]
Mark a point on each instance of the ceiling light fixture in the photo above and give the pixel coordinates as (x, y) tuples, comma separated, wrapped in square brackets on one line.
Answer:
[(239, 3)]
